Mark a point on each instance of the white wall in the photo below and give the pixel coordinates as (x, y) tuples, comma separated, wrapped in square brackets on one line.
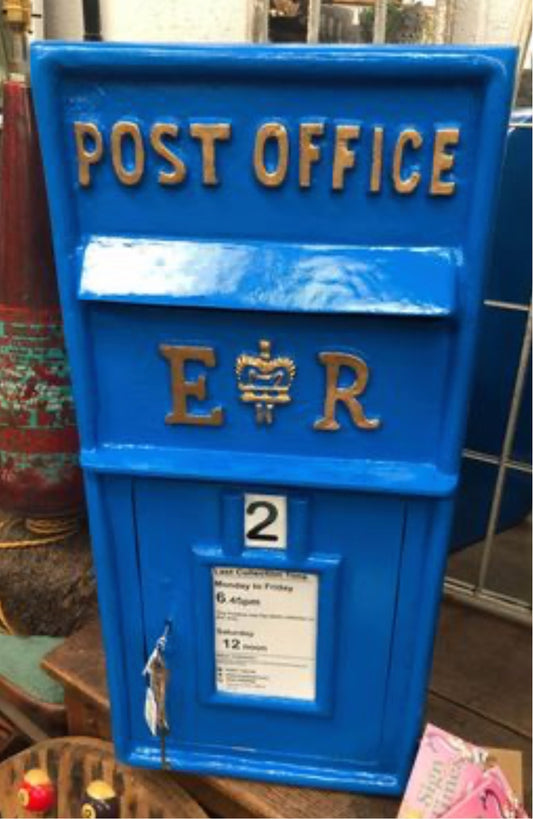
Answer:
[(176, 20), (63, 19), (155, 20), (37, 27), (475, 21), (492, 21)]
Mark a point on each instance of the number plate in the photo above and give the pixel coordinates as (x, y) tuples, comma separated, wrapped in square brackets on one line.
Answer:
[(265, 521)]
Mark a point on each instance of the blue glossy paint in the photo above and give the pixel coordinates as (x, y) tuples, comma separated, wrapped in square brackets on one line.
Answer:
[(271, 276), (394, 279), (508, 280)]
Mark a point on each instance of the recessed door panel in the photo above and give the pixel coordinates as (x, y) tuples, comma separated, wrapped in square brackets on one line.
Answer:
[(258, 633)]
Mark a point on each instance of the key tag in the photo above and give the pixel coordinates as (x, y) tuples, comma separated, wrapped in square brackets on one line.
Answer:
[(150, 711), (156, 674)]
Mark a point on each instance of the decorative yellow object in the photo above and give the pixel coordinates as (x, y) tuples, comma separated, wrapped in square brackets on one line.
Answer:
[(264, 381), (100, 790), (100, 801)]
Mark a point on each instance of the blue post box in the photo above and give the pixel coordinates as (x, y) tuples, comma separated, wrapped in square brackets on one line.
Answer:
[(270, 265)]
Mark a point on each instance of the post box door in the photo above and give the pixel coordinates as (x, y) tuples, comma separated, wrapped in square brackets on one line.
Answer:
[(249, 669)]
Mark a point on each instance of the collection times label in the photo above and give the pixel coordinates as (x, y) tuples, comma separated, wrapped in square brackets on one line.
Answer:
[(265, 632)]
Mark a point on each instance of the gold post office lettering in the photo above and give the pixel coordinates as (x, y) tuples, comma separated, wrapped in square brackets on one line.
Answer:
[(264, 382), (396, 156)]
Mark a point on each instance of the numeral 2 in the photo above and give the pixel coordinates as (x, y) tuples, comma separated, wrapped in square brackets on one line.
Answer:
[(257, 531)]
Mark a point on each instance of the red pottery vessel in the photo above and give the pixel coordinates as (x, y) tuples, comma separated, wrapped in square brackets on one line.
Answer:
[(39, 473)]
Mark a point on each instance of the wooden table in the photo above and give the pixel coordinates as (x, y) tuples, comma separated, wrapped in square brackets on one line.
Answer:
[(480, 690)]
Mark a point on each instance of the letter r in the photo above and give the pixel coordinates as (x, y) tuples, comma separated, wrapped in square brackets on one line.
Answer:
[(335, 393)]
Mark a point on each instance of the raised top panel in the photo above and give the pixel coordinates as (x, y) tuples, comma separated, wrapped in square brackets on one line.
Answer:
[(271, 276), (270, 257), (338, 145)]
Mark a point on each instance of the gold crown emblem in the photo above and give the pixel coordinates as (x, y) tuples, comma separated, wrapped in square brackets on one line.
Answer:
[(264, 381)]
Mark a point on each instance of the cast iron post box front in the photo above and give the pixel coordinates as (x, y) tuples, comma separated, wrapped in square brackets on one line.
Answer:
[(270, 263)]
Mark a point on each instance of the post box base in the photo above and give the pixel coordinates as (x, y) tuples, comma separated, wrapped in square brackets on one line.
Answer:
[(358, 781)]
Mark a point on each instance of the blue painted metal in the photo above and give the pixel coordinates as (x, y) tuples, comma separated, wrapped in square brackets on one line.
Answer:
[(280, 277), (394, 279), (500, 341)]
